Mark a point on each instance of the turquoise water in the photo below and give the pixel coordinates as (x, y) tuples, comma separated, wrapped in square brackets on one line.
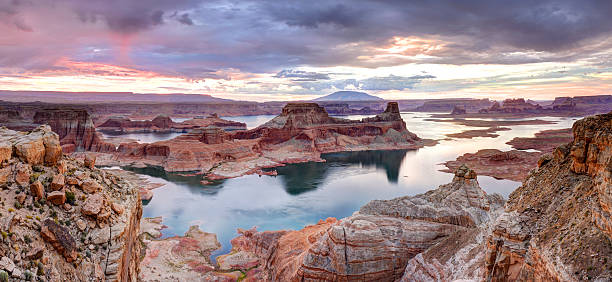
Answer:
[(302, 194)]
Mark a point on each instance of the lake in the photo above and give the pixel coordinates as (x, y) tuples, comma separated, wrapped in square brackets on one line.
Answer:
[(304, 193)]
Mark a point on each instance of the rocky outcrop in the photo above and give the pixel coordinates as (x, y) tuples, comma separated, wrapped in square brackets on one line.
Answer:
[(512, 165), (376, 243), (300, 133), (48, 231), (557, 225), (163, 123), (544, 141), (513, 106), (74, 126)]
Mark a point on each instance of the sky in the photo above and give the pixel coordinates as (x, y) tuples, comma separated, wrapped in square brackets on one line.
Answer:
[(264, 50)]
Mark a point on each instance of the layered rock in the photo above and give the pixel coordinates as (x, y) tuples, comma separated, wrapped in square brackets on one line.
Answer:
[(376, 243), (47, 232), (74, 126), (557, 225), (513, 106), (163, 123)]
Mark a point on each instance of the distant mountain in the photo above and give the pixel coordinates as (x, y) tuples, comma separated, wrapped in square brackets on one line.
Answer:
[(349, 96), (104, 97)]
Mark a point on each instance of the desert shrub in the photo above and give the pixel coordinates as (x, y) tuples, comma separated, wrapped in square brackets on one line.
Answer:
[(70, 198)]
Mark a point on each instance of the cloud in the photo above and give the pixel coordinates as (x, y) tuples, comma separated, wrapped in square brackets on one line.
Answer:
[(298, 75), (384, 83), (185, 19)]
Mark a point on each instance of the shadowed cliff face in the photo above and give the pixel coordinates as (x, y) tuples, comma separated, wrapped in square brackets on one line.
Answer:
[(74, 127)]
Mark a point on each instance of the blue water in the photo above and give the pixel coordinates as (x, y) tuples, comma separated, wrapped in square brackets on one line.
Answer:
[(302, 194)]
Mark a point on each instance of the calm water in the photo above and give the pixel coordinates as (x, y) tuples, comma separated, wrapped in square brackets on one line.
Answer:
[(302, 194)]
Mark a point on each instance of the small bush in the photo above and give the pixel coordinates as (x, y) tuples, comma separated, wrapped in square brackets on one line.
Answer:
[(41, 269), (28, 275), (27, 239), (70, 198), (4, 277)]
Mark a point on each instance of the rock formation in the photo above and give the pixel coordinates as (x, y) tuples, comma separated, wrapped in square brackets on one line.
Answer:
[(163, 123), (558, 226), (74, 126), (513, 165), (513, 106), (48, 231), (373, 244), (300, 133)]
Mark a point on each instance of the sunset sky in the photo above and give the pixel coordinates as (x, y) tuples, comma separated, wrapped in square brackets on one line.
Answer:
[(282, 50)]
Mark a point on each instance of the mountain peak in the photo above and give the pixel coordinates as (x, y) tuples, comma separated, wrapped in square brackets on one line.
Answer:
[(349, 96)]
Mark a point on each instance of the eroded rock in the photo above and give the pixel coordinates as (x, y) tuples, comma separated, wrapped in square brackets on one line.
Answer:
[(59, 237)]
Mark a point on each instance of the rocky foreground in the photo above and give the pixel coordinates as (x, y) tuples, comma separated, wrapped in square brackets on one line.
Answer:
[(63, 220), (299, 134), (556, 227)]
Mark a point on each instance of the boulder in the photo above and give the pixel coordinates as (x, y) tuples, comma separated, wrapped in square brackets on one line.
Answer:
[(59, 237), (58, 182), (90, 186), (6, 151), (30, 149), (89, 161), (37, 190), (93, 205), (117, 208), (57, 197), (22, 177)]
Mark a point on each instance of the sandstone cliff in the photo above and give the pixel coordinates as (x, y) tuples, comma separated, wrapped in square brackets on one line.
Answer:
[(62, 220), (74, 126), (558, 226)]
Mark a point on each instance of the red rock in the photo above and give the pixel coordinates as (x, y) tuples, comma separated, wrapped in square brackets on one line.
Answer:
[(73, 126), (23, 174), (21, 198), (93, 205), (90, 186), (37, 190), (57, 197), (72, 181), (89, 161), (58, 182), (6, 151), (117, 208), (513, 106), (59, 237), (5, 173), (61, 167)]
